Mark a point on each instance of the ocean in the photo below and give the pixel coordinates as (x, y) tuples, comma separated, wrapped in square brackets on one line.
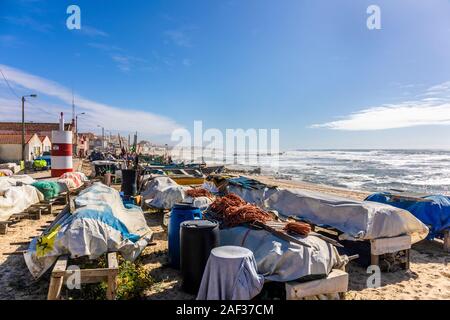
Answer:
[(370, 170)]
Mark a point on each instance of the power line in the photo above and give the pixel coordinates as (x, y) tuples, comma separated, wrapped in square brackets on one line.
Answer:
[(12, 90), (7, 83)]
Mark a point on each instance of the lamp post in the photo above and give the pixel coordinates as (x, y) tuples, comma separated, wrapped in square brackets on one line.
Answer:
[(76, 131), (23, 124)]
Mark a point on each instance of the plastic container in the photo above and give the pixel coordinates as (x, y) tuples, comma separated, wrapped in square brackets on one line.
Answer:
[(129, 185), (197, 239), (180, 212)]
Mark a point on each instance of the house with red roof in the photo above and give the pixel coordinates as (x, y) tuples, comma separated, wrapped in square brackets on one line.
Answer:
[(11, 147)]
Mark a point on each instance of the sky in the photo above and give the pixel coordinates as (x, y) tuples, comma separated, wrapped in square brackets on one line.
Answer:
[(310, 68)]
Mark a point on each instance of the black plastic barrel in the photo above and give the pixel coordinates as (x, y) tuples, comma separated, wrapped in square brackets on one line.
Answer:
[(129, 186), (197, 239)]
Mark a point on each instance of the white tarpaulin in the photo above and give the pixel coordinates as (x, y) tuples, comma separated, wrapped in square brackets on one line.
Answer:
[(254, 196), (163, 193), (100, 223), (6, 182), (361, 220), (281, 260), (17, 199)]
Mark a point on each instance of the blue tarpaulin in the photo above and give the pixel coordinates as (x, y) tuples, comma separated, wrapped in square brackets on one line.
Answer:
[(435, 213)]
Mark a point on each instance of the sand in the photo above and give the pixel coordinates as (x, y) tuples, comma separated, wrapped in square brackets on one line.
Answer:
[(428, 278)]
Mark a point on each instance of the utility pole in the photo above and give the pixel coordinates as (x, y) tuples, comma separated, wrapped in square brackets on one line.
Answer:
[(23, 130), (23, 124), (76, 131)]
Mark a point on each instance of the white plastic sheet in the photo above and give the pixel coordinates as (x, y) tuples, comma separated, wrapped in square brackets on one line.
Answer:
[(6, 182), (17, 199), (163, 193)]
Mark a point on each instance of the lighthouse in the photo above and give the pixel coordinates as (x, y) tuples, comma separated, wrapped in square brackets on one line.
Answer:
[(61, 150)]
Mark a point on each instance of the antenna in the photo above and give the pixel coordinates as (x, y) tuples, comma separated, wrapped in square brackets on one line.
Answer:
[(73, 109)]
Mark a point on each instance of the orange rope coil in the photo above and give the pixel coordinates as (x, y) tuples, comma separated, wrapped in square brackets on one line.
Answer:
[(200, 192), (299, 228), (235, 211)]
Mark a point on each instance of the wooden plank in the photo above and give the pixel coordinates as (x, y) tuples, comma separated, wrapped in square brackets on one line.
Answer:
[(60, 266), (13, 253), (3, 227), (19, 243), (374, 259), (335, 282), (54, 289), (447, 240), (100, 272), (390, 245), (90, 279), (408, 259), (112, 260)]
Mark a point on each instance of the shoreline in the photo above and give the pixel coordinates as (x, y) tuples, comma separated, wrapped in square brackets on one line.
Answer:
[(310, 186)]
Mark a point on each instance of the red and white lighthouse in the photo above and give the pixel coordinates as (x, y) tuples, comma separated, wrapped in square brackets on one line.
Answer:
[(61, 150)]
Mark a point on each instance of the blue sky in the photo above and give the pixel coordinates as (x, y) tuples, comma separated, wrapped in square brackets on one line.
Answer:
[(310, 68)]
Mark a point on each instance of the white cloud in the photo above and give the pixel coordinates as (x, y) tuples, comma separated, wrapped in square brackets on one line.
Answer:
[(92, 32), (26, 21), (11, 41), (111, 117), (433, 110), (178, 37)]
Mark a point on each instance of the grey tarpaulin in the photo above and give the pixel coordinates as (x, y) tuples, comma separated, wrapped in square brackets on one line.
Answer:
[(280, 260), (230, 274), (255, 196), (362, 220)]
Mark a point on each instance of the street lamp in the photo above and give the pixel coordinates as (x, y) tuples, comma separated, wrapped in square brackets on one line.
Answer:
[(76, 131), (23, 124)]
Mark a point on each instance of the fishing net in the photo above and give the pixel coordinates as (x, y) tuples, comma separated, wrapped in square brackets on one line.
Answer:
[(235, 211), (199, 192), (49, 189), (299, 228)]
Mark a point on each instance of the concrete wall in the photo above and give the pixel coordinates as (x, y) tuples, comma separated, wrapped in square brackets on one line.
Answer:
[(10, 152)]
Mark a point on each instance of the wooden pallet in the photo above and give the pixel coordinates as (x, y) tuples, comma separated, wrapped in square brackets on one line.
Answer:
[(33, 213), (379, 250), (335, 283), (60, 274)]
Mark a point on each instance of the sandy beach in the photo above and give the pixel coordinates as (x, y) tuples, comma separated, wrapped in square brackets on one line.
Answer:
[(428, 278)]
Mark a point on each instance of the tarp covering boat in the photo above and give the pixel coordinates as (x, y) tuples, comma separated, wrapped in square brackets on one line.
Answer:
[(6, 182), (73, 180), (100, 223), (281, 260), (359, 220), (435, 212), (16, 199), (15, 168)]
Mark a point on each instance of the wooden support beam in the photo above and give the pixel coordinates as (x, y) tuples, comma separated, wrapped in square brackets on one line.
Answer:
[(447, 240)]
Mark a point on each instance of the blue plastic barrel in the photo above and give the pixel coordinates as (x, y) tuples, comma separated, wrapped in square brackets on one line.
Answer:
[(180, 212)]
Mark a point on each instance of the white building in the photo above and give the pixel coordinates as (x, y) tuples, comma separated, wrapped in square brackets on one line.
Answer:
[(11, 147)]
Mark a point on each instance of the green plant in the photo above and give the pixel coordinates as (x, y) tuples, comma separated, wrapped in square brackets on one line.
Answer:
[(132, 280)]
